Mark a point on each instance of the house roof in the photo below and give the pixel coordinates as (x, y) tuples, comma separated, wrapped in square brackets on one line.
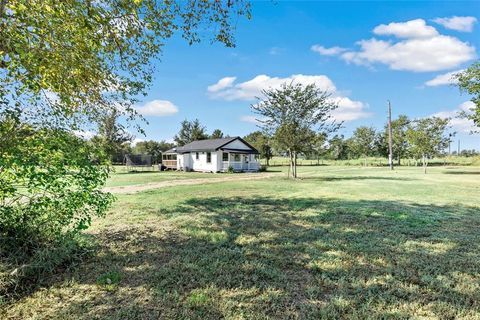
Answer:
[(208, 145)]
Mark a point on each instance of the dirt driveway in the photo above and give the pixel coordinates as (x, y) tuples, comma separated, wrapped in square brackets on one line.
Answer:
[(184, 182)]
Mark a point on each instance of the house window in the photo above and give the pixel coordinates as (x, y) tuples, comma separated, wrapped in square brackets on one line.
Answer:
[(209, 157), (196, 155), (236, 157), (225, 156)]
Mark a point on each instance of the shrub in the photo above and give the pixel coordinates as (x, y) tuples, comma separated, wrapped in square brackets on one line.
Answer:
[(50, 184), (230, 169)]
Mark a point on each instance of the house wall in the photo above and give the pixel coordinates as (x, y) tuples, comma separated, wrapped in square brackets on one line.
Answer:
[(201, 164)]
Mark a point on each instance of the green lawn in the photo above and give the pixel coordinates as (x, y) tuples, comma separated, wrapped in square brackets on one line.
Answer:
[(121, 177), (341, 243)]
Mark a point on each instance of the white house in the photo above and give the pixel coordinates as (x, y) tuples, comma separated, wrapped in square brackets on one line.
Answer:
[(213, 155)]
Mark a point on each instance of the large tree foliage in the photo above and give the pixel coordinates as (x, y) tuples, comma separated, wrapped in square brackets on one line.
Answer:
[(190, 131), (293, 114), (427, 138), (262, 143), (364, 142), (469, 81), (85, 57)]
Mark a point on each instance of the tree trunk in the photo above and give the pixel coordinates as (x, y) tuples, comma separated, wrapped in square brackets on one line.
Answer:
[(398, 161), (295, 165), (424, 160), (290, 156)]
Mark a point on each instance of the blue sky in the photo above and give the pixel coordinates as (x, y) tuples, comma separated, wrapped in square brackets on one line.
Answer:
[(363, 52)]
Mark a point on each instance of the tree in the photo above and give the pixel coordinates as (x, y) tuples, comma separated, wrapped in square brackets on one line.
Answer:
[(469, 81), (427, 138), (337, 148), (293, 114), (153, 148), (261, 142), (363, 142), (216, 134), (190, 131), (113, 137), (318, 146), (399, 139)]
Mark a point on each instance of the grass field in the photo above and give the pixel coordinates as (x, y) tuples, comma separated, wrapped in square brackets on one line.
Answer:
[(379, 161), (340, 243)]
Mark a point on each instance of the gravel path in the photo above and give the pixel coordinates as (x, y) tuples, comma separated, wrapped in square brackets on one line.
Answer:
[(185, 182)]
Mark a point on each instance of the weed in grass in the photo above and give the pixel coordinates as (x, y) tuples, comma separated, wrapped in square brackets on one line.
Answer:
[(110, 280)]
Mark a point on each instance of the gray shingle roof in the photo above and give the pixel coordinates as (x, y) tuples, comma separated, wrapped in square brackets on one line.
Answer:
[(205, 145)]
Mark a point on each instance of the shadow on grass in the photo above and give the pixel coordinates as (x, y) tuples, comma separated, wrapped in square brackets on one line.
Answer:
[(304, 258), (340, 178), (462, 172)]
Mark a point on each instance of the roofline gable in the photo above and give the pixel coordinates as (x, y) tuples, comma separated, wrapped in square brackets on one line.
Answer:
[(238, 138)]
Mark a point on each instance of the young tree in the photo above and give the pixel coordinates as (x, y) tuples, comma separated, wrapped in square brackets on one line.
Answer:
[(364, 142), (293, 114), (399, 139), (190, 131), (469, 81), (113, 137), (427, 138), (261, 142), (216, 134)]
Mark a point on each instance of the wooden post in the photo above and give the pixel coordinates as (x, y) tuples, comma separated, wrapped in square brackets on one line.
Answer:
[(390, 137)]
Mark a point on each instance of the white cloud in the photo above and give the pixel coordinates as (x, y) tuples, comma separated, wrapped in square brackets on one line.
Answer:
[(411, 29), (251, 89), (84, 134), (275, 51), (333, 51), (348, 109), (158, 108), (418, 48), (463, 24), (223, 83), (249, 119), (443, 79), (459, 124), (136, 140)]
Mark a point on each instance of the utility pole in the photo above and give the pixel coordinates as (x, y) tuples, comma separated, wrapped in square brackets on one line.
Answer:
[(390, 134), (458, 150)]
